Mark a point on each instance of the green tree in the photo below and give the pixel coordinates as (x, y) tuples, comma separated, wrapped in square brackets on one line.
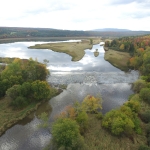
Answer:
[(41, 90), (138, 85), (13, 92), (118, 122), (83, 121), (145, 94), (91, 41), (66, 134)]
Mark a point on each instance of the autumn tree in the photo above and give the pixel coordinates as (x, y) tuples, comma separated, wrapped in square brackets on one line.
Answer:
[(121, 47), (92, 104)]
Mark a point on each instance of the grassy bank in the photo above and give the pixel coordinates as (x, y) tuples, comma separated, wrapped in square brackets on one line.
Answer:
[(117, 59), (97, 138), (10, 116), (74, 49)]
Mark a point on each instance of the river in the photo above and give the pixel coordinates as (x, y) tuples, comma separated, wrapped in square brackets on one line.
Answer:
[(91, 75)]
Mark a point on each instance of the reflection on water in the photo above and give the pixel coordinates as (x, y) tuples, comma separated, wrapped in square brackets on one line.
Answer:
[(113, 96), (58, 61), (91, 75)]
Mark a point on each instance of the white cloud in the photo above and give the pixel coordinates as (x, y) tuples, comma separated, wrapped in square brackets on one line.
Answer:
[(76, 14)]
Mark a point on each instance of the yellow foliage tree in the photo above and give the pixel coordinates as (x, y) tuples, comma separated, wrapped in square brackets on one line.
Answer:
[(92, 104), (121, 47)]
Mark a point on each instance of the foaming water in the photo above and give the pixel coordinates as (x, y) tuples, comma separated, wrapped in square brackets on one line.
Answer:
[(93, 77)]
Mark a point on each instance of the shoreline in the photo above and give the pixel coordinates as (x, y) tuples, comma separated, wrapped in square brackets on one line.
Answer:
[(117, 59), (75, 49)]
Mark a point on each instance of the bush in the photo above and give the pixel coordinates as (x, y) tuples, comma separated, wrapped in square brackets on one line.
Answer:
[(145, 117), (82, 120), (145, 94), (134, 105), (138, 85), (13, 92), (19, 102), (144, 147), (99, 116)]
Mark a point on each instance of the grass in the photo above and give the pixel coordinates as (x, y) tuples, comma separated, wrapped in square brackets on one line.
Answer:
[(97, 138), (10, 116), (74, 49), (117, 59)]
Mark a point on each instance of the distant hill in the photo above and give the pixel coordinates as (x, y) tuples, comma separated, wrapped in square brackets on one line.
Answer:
[(112, 29), (20, 32)]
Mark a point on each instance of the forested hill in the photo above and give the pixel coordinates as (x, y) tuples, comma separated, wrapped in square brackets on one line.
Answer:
[(19, 32)]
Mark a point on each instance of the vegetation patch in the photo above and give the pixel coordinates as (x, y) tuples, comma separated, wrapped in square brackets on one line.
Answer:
[(74, 49), (118, 59), (23, 88)]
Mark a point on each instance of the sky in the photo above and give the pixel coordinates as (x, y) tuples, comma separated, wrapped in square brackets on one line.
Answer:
[(76, 14)]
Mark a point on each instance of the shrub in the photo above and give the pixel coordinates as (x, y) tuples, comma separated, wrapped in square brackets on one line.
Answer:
[(145, 116), (134, 105), (99, 116), (19, 102), (13, 92), (145, 94), (138, 85), (144, 147), (82, 120)]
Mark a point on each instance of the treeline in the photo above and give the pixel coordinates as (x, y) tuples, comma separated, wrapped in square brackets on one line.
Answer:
[(16, 32), (24, 82), (129, 44), (139, 48)]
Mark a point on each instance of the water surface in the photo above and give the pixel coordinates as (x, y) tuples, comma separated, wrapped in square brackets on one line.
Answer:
[(91, 75)]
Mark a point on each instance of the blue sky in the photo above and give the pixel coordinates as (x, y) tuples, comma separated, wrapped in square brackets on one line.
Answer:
[(76, 14)]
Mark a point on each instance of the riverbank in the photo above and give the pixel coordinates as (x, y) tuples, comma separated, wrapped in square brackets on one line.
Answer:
[(74, 49), (9, 116), (118, 59)]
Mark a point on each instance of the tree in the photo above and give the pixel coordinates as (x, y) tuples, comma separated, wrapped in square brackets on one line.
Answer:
[(121, 47), (118, 122), (91, 104), (42, 90), (66, 134), (145, 94), (91, 41), (13, 92), (138, 85), (83, 121)]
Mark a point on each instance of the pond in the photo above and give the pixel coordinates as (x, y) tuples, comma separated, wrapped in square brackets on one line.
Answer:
[(91, 75)]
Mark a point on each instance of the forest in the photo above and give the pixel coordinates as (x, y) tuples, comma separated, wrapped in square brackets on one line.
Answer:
[(18, 32)]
